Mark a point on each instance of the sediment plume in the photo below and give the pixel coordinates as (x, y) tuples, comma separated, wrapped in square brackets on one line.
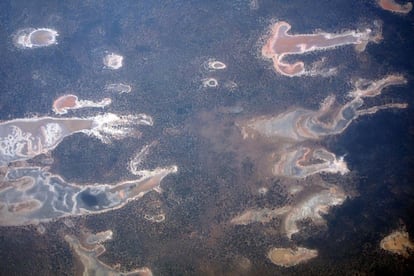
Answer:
[(281, 44)]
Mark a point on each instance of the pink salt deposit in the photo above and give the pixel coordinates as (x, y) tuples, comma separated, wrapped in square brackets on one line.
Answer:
[(281, 44), (392, 6), (67, 102)]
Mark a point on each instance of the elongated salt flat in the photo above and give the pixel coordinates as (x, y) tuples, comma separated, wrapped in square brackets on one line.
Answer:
[(120, 88), (22, 139), (288, 257), (301, 124), (392, 6), (88, 255), (311, 206), (301, 162), (31, 195), (70, 102), (34, 195), (281, 44)]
